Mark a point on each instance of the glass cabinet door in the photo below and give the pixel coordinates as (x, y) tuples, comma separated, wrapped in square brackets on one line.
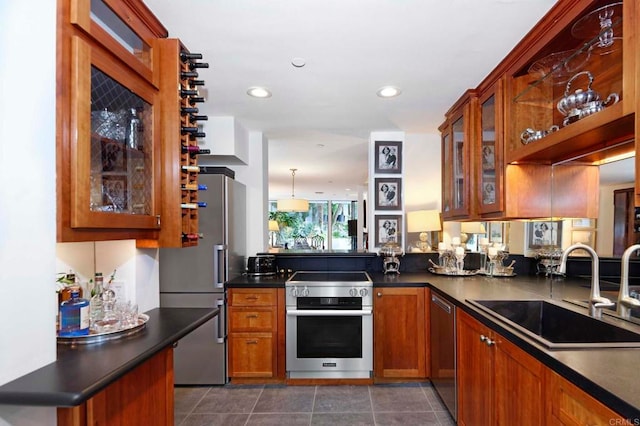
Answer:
[(121, 148), (108, 146), (489, 158), (458, 198), (446, 172), (457, 174), (113, 156)]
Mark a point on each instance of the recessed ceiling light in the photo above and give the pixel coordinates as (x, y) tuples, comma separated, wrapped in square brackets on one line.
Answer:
[(258, 92), (388, 91), (298, 62)]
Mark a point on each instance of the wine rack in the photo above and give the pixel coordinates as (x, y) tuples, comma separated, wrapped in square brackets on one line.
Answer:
[(180, 88)]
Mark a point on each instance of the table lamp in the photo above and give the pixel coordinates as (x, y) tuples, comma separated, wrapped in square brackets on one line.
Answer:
[(273, 228), (424, 222)]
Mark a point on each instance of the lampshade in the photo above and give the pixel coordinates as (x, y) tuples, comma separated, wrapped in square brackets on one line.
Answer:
[(273, 226), (472, 228), (424, 221), (293, 204)]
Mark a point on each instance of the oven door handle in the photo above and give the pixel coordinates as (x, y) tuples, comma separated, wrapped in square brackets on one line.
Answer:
[(329, 312)]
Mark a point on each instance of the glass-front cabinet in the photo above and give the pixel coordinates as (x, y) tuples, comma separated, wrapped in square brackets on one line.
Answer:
[(572, 84), (489, 163), (457, 134), (108, 150)]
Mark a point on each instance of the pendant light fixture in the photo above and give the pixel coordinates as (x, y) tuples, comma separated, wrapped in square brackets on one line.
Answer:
[(293, 204)]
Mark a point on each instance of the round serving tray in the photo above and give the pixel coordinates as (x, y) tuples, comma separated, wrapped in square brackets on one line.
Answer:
[(109, 335), (465, 273)]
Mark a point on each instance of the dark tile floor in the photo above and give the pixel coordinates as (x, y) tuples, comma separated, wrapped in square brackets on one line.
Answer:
[(396, 404)]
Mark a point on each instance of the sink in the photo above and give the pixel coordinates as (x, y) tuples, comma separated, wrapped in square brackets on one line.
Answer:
[(556, 326)]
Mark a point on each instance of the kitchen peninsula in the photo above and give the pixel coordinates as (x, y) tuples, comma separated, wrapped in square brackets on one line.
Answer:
[(130, 378)]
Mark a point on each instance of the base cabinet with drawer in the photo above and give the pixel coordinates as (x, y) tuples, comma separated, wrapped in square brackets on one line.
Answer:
[(256, 333)]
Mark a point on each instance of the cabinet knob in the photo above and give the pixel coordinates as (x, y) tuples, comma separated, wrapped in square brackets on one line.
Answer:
[(379, 294), (487, 340)]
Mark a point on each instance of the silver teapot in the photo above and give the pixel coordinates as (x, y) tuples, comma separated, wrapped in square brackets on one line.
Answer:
[(582, 103), (529, 135)]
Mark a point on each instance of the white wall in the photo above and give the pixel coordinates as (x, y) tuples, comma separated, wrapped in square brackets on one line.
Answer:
[(27, 195), (255, 176), (421, 178)]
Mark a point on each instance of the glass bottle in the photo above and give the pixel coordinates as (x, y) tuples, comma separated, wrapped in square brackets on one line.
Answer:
[(110, 320), (74, 315), (96, 303), (133, 135)]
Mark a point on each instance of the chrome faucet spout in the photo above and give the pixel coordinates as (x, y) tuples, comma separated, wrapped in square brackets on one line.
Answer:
[(626, 302), (596, 301)]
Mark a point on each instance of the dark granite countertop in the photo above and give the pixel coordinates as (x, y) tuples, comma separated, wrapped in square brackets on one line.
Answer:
[(84, 370), (609, 375)]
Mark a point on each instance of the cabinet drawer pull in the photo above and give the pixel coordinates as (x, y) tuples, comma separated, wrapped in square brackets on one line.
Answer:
[(251, 342), (251, 297), (252, 316)]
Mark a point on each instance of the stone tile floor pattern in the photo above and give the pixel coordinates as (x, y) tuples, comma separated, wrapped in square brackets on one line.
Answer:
[(231, 405)]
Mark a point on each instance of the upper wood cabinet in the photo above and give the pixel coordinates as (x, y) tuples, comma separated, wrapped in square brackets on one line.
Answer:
[(580, 49), (458, 135), (108, 161)]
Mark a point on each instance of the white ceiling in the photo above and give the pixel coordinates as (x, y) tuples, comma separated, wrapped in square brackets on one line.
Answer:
[(433, 50)]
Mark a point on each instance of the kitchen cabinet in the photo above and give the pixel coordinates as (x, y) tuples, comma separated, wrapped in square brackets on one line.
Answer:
[(400, 328), (589, 46), (256, 333), (108, 158), (569, 405), (458, 133), (142, 396), (491, 375)]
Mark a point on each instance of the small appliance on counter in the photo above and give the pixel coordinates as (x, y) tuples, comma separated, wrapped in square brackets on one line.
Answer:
[(261, 265)]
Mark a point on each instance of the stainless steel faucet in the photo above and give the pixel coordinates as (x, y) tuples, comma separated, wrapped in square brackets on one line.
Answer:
[(596, 302), (626, 302)]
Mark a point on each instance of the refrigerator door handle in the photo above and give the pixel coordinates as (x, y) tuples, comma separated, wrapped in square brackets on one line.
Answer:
[(219, 265), (221, 320)]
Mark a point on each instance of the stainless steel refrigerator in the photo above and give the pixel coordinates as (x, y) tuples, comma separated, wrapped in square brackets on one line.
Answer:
[(195, 276)]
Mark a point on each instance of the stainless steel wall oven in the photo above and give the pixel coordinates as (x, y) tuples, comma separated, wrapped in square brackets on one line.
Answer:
[(329, 325)]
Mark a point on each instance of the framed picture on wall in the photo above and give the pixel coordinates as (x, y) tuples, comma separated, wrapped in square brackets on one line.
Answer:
[(544, 234), (388, 229), (388, 193), (388, 157)]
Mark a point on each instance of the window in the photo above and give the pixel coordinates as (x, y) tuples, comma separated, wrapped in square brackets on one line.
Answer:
[(324, 226)]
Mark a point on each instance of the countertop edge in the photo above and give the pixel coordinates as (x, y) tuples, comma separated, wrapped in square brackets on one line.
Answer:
[(21, 391)]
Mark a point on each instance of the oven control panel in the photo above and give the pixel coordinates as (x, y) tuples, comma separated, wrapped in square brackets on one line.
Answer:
[(294, 291)]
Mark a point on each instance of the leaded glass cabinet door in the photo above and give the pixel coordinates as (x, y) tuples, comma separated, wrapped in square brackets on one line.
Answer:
[(107, 143)]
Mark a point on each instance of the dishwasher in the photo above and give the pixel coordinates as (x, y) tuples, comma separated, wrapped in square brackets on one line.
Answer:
[(443, 351)]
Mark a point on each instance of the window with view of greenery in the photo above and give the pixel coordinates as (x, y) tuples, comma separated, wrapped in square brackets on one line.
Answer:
[(324, 226)]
